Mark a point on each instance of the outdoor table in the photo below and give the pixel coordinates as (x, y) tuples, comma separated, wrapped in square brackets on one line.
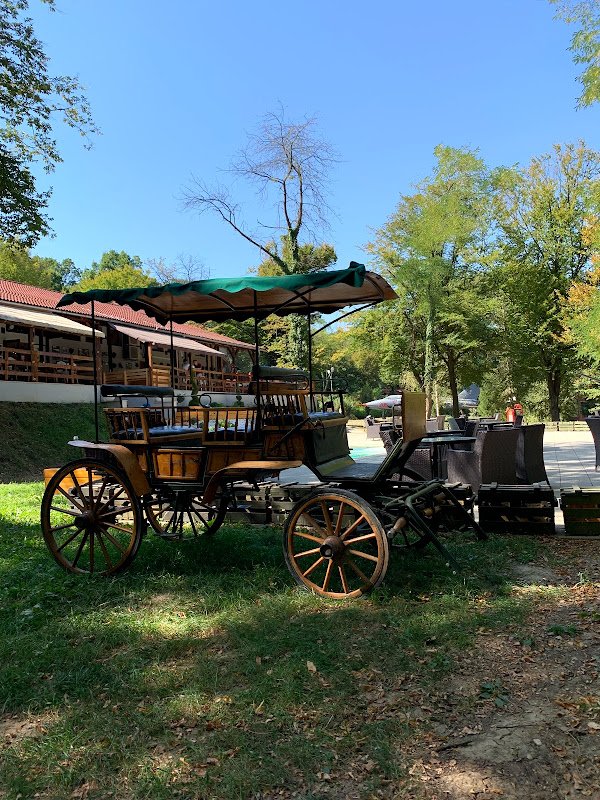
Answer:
[(437, 448), (491, 426)]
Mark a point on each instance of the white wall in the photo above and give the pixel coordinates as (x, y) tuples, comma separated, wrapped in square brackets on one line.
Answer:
[(30, 392)]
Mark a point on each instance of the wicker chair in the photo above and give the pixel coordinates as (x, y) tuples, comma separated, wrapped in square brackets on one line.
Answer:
[(530, 455), (594, 426), (420, 460), (493, 459)]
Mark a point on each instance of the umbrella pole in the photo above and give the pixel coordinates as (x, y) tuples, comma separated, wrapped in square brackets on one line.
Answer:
[(256, 362)]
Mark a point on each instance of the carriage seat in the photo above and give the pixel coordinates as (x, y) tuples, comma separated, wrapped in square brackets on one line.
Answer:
[(121, 390)]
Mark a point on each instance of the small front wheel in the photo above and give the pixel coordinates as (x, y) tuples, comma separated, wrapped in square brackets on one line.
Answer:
[(91, 518), (181, 513), (335, 545)]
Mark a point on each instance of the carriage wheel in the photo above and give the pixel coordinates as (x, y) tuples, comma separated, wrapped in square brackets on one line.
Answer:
[(91, 518), (182, 514), (335, 545)]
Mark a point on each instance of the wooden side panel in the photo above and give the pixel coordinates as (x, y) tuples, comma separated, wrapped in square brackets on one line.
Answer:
[(179, 464), (219, 458), (291, 447)]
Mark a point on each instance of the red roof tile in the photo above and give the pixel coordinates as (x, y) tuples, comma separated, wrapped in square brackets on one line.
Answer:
[(13, 292)]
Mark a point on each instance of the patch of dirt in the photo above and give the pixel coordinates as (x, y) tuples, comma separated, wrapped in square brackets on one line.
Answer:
[(15, 729), (520, 718)]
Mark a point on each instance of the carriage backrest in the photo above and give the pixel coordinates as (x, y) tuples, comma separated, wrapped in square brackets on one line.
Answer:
[(413, 416)]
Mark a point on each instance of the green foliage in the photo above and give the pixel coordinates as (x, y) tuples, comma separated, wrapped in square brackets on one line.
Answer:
[(16, 264), (116, 271), (548, 232), (585, 44), (431, 248), (31, 101)]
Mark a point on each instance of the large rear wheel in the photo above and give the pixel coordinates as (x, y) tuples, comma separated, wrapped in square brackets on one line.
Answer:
[(91, 518), (335, 545)]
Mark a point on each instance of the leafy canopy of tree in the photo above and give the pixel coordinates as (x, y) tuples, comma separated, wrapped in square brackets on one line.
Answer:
[(585, 44), (547, 215), (31, 102), (430, 247), (116, 271), (16, 264)]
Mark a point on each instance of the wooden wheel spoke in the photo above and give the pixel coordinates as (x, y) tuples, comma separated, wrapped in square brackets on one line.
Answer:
[(119, 527), (80, 549), (327, 518), (58, 528), (317, 563), (70, 498), (68, 541), (78, 488), (115, 511), (101, 493), (308, 552), (343, 578), (327, 576), (114, 542), (355, 539), (66, 511), (358, 571), (339, 520), (105, 552), (189, 513), (352, 527), (91, 552), (315, 525), (308, 536), (363, 555)]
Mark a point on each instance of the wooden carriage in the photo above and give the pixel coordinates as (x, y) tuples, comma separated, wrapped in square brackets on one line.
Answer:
[(176, 468)]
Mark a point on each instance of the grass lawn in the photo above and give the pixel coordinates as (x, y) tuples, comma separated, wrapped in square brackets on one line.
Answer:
[(202, 672)]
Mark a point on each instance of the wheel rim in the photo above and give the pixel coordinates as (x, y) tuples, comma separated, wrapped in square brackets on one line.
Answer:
[(91, 519), (336, 546), (182, 515)]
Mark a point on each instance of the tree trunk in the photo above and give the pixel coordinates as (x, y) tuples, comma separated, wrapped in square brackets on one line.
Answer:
[(451, 364), (553, 381), (429, 351)]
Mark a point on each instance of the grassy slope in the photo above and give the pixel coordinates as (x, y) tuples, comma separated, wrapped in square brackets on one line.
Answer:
[(35, 435), (202, 672)]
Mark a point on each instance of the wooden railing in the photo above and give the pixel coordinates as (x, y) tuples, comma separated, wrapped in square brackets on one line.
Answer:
[(20, 364), (207, 380)]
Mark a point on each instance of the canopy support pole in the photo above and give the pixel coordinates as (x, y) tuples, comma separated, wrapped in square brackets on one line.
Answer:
[(95, 358), (172, 372), (256, 361), (311, 398)]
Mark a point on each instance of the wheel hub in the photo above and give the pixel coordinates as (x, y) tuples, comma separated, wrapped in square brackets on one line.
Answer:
[(333, 548)]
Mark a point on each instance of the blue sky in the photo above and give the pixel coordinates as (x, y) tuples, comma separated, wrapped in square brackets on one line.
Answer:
[(176, 87)]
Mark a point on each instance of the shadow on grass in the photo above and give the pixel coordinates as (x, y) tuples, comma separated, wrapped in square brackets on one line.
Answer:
[(205, 650)]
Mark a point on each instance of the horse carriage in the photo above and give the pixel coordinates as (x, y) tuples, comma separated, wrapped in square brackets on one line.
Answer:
[(176, 469)]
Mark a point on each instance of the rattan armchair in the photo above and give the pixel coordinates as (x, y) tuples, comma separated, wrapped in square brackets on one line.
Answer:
[(419, 461), (530, 454), (594, 426), (493, 459)]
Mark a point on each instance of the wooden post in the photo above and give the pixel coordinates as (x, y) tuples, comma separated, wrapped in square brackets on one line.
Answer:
[(34, 355)]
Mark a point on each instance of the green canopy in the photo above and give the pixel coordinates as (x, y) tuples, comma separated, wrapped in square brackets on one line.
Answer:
[(250, 296)]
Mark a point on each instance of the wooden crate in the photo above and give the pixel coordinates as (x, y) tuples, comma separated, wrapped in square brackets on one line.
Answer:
[(517, 509), (186, 464), (581, 511)]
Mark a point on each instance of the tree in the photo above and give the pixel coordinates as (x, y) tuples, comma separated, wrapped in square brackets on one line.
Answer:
[(17, 264), (289, 165), (547, 216), (31, 100), (430, 248), (116, 271), (585, 44)]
